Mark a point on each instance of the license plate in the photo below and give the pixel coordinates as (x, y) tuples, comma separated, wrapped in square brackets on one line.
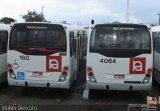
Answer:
[(119, 76), (37, 74)]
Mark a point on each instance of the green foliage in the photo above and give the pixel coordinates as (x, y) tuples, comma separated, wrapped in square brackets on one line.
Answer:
[(33, 16), (7, 20), (116, 22)]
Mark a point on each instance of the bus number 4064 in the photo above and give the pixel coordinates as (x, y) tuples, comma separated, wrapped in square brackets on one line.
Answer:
[(108, 60)]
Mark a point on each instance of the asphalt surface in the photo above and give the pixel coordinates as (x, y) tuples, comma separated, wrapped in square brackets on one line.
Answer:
[(71, 100)]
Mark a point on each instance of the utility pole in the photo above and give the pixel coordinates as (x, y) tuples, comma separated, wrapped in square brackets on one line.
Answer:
[(159, 17), (127, 12), (42, 14)]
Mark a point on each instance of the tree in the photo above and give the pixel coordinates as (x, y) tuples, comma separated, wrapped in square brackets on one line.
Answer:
[(64, 22), (7, 20), (33, 16), (116, 22)]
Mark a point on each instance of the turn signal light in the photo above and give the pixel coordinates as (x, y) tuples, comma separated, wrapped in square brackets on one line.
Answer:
[(9, 66), (89, 71), (64, 74), (149, 71)]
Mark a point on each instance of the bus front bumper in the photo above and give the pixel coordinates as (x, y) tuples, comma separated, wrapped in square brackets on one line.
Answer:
[(119, 86), (34, 83)]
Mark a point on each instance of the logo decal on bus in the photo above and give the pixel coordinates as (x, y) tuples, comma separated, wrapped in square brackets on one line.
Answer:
[(15, 65), (53, 63), (20, 76), (137, 66)]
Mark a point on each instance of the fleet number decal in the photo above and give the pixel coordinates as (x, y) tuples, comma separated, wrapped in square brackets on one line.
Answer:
[(24, 57), (108, 60)]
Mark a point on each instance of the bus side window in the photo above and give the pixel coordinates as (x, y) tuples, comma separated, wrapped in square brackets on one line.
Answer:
[(78, 34), (3, 41), (158, 45), (78, 48), (71, 35), (75, 47), (155, 36)]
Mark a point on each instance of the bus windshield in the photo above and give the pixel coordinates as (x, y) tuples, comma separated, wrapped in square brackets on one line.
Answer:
[(46, 36), (120, 38)]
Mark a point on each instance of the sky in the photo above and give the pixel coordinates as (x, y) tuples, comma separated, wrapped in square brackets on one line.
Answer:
[(83, 11)]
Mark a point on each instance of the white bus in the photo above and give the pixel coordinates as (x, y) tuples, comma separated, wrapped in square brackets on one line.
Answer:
[(43, 55), (4, 31), (119, 57), (156, 42)]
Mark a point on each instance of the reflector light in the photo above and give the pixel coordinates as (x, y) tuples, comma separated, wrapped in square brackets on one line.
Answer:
[(90, 74), (64, 73), (9, 66), (149, 71), (10, 70), (89, 70), (65, 69), (12, 76), (148, 75)]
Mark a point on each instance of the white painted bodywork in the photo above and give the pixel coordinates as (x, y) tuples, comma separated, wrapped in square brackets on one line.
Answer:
[(104, 73), (38, 64)]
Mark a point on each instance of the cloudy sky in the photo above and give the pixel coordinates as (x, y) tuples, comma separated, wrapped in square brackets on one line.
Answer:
[(74, 11)]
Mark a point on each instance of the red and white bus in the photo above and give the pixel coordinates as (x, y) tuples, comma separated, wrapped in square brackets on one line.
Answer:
[(119, 57), (43, 55)]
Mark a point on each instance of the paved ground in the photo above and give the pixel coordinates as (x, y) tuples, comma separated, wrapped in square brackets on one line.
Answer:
[(71, 100)]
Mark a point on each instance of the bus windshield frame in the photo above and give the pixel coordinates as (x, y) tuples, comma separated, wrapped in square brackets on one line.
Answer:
[(38, 36), (124, 48)]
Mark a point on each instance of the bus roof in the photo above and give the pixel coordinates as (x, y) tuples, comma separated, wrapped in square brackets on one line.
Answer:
[(155, 28), (4, 26), (121, 24), (70, 27)]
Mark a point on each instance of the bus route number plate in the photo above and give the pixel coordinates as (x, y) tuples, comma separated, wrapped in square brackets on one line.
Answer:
[(37, 74), (119, 76)]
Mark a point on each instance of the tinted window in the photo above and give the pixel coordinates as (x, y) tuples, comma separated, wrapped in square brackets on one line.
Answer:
[(38, 36), (71, 43), (3, 41), (84, 40), (157, 47), (156, 36), (120, 38), (75, 47)]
